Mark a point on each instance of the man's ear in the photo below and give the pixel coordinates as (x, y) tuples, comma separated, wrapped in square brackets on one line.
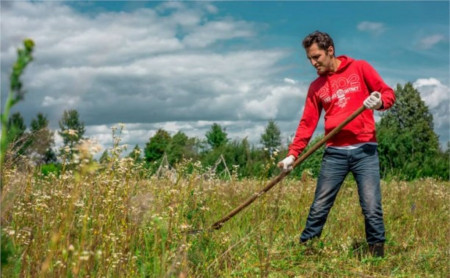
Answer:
[(330, 51)]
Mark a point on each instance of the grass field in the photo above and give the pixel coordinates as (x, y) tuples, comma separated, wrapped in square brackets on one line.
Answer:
[(116, 222)]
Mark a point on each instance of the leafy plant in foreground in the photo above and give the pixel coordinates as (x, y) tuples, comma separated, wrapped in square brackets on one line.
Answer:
[(16, 93)]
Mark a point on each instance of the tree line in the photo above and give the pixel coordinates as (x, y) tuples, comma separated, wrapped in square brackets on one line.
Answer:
[(407, 144)]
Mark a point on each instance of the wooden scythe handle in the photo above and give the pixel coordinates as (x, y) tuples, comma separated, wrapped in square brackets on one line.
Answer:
[(281, 176)]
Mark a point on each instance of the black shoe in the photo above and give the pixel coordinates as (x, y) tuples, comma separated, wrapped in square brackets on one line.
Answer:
[(377, 249)]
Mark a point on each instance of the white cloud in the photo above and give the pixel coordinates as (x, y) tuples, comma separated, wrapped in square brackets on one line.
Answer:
[(211, 8), (432, 91), (153, 68), (437, 97), (211, 32), (290, 81), (375, 28), (268, 105), (427, 82), (51, 101), (430, 41)]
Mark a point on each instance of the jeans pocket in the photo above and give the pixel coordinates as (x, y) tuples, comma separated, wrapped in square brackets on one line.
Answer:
[(369, 149)]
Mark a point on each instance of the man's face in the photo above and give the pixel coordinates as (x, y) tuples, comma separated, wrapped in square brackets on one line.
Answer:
[(319, 58)]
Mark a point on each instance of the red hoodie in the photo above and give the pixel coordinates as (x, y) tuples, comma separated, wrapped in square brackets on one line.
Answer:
[(341, 93)]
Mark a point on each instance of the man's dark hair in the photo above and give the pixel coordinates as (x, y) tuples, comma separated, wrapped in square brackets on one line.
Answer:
[(323, 40)]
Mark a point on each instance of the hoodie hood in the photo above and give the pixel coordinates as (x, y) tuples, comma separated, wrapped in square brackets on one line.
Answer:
[(345, 62)]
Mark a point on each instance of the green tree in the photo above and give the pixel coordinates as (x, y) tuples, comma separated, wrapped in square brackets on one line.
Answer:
[(41, 140), (255, 160), (407, 143), (271, 138), (238, 154), (71, 130), (157, 145), (216, 136), (181, 146), (18, 138), (50, 156), (16, 130)]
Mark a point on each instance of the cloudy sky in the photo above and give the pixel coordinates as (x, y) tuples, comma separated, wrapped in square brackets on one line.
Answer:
[(185, 65)]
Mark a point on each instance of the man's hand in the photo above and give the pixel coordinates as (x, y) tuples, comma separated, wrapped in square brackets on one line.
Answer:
[(373, 101), (286, 164)]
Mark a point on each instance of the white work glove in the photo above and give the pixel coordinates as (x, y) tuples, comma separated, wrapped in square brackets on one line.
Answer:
[(373, 101), (286, 164)]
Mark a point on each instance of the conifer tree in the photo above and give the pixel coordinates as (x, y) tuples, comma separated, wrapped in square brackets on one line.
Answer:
[(271, 138), (71, 130), (216, 136), (407, 143), (157, 145)]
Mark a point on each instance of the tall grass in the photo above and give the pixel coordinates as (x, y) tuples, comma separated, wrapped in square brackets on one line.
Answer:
[(113, 220)]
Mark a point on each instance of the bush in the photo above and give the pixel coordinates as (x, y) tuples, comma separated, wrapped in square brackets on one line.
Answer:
[(46, 169)]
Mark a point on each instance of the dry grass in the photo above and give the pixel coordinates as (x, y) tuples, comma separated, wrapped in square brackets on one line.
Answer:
[(114, 221)]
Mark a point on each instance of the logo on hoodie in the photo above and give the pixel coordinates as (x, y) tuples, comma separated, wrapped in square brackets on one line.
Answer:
[(341, 89)]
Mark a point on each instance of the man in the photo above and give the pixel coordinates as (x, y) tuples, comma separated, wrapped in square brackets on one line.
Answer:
[(343, 85)]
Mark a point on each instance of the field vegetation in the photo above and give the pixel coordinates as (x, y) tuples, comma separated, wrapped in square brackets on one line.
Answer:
[(113, 220)]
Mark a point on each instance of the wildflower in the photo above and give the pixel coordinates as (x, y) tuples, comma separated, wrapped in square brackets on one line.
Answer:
[(84, 258), (76, 158), (58, 263), (96, 148), (184, 227), (71, 132), (11, 232)]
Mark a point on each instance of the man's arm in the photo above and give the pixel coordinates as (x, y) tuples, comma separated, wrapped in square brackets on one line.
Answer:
[(307, 125), (375, 83)]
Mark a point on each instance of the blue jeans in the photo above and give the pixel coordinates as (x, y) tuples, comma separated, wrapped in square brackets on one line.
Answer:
[(336, 164)]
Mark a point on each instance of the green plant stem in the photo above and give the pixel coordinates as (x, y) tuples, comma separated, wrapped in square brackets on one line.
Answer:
[(4, 119), (23, 59)]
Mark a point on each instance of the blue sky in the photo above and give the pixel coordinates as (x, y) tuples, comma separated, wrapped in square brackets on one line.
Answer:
[(185, 65)]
